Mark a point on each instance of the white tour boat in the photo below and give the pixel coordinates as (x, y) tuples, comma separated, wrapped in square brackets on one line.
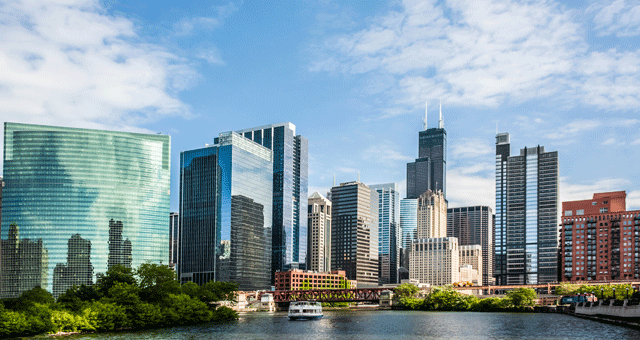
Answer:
[(305, 310)]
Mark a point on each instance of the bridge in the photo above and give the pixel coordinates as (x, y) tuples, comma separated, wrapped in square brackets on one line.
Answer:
[(329, 295), (548, 286)]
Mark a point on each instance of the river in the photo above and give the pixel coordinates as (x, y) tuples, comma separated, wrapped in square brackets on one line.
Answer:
[(391, 325)]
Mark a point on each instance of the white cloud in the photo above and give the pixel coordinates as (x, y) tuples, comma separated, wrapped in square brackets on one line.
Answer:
[(470, 148), (619, 17), (69, 63), (211, 55), (485, 53), (633, 200), (465, 189), (585, 191), (609, 141), (385, 153)]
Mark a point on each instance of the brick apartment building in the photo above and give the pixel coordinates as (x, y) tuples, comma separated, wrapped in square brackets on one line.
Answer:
[(599, 239), (296, 279)]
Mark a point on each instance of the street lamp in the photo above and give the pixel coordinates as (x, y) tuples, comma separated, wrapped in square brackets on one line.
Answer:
[(614, 294)]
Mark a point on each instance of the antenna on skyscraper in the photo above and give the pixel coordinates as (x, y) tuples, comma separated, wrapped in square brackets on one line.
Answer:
[(334, 180), (358, 176), (425, 114), (440, 123)]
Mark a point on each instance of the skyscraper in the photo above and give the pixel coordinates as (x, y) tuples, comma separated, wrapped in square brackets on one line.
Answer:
[(429, 171), (226, 192), (174, 234), (389, 233), (354, 232), (65, 181), (408, 226), (319, 248), (474, 226), (290, 190), (78, 270), (526, 215), (23, 264), (432, 215), (435, 261)]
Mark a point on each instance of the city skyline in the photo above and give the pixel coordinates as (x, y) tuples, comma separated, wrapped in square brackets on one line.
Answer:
[(186, 74)]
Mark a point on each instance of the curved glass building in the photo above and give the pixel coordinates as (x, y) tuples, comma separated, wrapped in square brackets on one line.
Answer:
[(92, 198)]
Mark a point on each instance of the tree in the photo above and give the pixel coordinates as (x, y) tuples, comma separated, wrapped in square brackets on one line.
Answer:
[(157, 281), (406, 290), (218, 291), (34, 295), (117, 273), (522, 297)]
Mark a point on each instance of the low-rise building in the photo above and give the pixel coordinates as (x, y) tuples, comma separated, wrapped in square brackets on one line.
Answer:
[(296, 279)]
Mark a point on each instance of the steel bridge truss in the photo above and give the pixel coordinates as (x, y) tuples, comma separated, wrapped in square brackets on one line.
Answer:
[(329, 295)]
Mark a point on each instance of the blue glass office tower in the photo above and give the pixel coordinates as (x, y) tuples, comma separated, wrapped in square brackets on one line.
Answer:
[(290, 192), (225, 213), (409, 227), (86, 199), (389, 233)]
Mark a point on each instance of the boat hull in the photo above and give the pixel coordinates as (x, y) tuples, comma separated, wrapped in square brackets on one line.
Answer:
[(305, 317)]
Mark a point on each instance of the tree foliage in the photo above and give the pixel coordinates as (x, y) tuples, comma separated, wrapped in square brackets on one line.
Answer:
[(406, 290), (118, 301)]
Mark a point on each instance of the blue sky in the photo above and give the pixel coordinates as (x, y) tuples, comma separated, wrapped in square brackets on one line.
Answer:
[(353, 76)]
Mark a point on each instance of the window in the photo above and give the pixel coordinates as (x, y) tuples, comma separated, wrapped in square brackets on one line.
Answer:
[(580, 212), (568, 213), (604, 210), (594, 203)]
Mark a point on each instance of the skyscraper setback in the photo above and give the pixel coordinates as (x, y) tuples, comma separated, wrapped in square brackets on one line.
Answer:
[(429, 171), (526, 238)]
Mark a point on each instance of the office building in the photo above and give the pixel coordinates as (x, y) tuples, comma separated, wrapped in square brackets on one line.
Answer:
[(389, 233), (78, 270), (319, 248), (526, 235), (354, 232), (60, 182), (432, 215), (600, 239), (226, 190), (472, 226), (297, 279), (429, 171), (290, 191), (409, 227), (435, 261), (174, 234), (471, 255)]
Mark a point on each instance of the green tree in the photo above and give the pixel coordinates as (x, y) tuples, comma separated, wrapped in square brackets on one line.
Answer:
[(104, 316), (406, 290), (157, 281), (12, 323), (192, 289), (219, 291), (117, 273), (35, 295), (522, 297)]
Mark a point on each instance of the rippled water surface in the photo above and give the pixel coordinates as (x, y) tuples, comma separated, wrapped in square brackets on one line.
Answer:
[(391, 325)]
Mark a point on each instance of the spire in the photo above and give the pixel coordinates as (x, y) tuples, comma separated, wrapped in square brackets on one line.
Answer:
[(334, 180), (425, 115), (441, 122), (358, 176)]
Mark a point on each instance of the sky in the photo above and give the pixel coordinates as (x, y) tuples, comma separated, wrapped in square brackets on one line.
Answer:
[(353, 76)]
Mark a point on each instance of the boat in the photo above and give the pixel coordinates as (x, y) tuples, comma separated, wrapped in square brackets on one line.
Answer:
[(305, 310)]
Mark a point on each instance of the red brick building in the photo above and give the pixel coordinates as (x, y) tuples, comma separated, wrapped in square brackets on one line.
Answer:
[(296, 279), (599, 239)]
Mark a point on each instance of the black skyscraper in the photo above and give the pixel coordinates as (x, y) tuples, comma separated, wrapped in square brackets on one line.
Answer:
[(429, 171)]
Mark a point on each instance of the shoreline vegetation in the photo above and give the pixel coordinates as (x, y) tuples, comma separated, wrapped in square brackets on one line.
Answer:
[(121, 299)]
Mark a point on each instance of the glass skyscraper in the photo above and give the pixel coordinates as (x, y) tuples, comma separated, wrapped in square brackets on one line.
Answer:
[(526, 215), (389, 233), (290, 192), (409, 227), (474, 226), (86, 199), (226, 191)]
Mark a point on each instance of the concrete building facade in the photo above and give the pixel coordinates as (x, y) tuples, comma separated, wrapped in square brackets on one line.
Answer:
[(472, 255), (474, 226), (296, 279), (432, 215), (319, 247), (435, 261), (354, 232)]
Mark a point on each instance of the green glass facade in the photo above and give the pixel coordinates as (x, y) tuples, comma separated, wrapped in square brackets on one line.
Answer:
[(93, 198)]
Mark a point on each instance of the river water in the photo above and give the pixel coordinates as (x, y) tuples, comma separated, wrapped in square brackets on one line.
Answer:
[(391, 325)]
